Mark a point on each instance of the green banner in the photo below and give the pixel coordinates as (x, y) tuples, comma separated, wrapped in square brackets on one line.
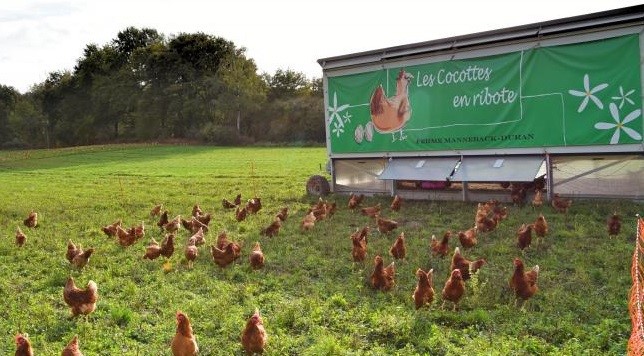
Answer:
[(570, 95)]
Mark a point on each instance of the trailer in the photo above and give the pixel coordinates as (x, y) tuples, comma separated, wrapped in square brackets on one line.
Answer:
[(553, 106)]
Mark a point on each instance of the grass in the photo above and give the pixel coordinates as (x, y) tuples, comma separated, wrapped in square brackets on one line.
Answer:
[(314, 300)]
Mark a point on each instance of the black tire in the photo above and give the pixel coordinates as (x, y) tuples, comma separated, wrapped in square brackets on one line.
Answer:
[(318, 185)]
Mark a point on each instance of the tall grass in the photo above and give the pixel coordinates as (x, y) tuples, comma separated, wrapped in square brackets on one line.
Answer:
[(314, 300)]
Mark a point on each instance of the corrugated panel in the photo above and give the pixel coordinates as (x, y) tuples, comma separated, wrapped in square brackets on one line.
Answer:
[(419, 168), (498, 169)]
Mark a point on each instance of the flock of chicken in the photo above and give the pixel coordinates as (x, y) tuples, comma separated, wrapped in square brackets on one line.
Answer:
[(224, 252), (488, 216)]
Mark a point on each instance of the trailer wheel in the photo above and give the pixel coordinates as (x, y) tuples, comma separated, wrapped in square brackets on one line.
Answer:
[(317, 185)]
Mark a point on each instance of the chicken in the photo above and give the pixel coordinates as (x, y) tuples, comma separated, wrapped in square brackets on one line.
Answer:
[(173, 225), (424, 293), (227, 255), (561, 205), (254, 337), (441, 248), (254, 205), (389, 115), (282, 214), (396, 203), (468, 237), (167, 246), (540, 226), (138, 230), (204, 219), (110, 230), (385, 225), (382, 277), (227, 204), (156, 210), (153, 250), (371, 211), (524, 284), (126, 237), (524, 236), (163, 219), (454, 289), (191, 251), (82, 258), (331, 209), (72, 250), (537, 200), (222, 240), (237, 200), (486, 224), (319, 210), (256, 257), (308, 222), (72, 348), (355, 200), (31, 220), (184, 342), (613, 225), (199, 236), (273, 229), (193, 225), (518, 194), (196, 210), (21, 238), (80, 301), (398, 249), (359, 241), (488, 215), (499, 213), (466, 267), (240, 214), (23, 346)]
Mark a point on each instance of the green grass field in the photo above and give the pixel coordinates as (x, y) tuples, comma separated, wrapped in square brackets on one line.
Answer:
[(313, 298)]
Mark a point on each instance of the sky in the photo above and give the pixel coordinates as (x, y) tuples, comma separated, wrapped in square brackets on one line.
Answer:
[(38, 37)]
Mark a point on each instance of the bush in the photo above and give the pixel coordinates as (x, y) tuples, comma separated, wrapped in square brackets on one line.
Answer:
[(222, 135)]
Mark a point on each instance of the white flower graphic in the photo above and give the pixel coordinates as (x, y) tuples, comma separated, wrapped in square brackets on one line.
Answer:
[(624, 97), (347, 117), (335, 111), (338, 128), (588, 94), (619, 126)]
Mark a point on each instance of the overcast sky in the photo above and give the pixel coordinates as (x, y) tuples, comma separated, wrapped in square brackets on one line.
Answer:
[(42, 36)]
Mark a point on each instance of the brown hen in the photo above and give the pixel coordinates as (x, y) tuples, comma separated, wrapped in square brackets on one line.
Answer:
[(424, 293), (72, 348), (454, 289), (184, 342), (254, 337), (382, 278), (80, 301)]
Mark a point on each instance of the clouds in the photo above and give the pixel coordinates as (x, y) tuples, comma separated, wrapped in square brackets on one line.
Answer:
[(41, 36)]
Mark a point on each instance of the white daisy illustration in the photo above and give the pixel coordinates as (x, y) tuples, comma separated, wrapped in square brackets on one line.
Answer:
[(588, 94), (624, 97), (619, 125), (335, 111)]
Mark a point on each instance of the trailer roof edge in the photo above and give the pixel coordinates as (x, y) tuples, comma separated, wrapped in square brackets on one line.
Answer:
[(615, 17)]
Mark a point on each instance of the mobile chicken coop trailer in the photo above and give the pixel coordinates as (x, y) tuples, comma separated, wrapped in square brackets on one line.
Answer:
[(556, 104)]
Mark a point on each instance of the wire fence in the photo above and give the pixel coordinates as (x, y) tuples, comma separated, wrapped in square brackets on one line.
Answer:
[(636, 341)]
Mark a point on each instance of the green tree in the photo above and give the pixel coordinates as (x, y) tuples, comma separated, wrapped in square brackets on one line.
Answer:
[(8, 97)]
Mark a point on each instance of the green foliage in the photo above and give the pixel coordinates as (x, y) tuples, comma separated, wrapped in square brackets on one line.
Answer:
[(313, 298), (142, 87)]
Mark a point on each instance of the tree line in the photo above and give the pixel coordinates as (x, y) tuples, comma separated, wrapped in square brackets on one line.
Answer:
[(144, 86)]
